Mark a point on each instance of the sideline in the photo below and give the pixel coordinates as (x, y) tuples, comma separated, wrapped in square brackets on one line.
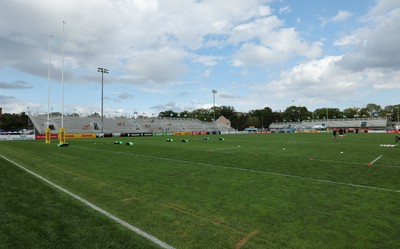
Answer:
[(102, 211), (248, 170)]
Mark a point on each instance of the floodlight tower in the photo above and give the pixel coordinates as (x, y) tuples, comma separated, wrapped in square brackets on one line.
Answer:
[(214, 92), (102, 71)]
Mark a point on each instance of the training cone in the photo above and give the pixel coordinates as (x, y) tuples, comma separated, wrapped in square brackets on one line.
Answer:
[(169, 140), (185, 140), (221, 139), (129, 143), (63, 145)]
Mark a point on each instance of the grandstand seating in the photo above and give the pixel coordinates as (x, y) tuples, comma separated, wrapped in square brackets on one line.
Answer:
[(380, 123), (74, 124)]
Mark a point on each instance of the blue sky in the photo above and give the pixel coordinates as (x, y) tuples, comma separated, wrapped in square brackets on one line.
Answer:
[(171, 54)]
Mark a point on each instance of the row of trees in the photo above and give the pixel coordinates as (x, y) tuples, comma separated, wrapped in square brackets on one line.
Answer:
[(15, 122), (260, 118)]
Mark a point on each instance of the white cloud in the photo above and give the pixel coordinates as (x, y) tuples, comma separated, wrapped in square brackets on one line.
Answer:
[(161, 66), (381, 7), (347, 40), (109, 33), (275, 47), (10, 104), (15, 85), (207, 60), (255, 55), (325, 80), (285, 10), (341, 16), (255, 29), (145, 5), (114, 31), (311, 79), (384, 79), (377, 45)]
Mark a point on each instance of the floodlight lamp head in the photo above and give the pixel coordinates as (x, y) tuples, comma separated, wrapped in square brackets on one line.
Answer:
[(102, 70)]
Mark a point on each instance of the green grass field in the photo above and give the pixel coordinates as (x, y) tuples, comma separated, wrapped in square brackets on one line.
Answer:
[(246, 191)]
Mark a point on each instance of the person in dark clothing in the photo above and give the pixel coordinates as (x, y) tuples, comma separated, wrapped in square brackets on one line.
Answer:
[(341, 133)]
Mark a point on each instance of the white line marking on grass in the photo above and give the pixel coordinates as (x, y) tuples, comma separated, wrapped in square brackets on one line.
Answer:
[(102, 211), (354, 163), (376, 159), (250, 170), (389, 166), (230, 148), (337, 161)]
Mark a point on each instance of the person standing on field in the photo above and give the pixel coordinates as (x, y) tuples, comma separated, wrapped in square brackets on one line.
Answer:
[(341, 133)]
